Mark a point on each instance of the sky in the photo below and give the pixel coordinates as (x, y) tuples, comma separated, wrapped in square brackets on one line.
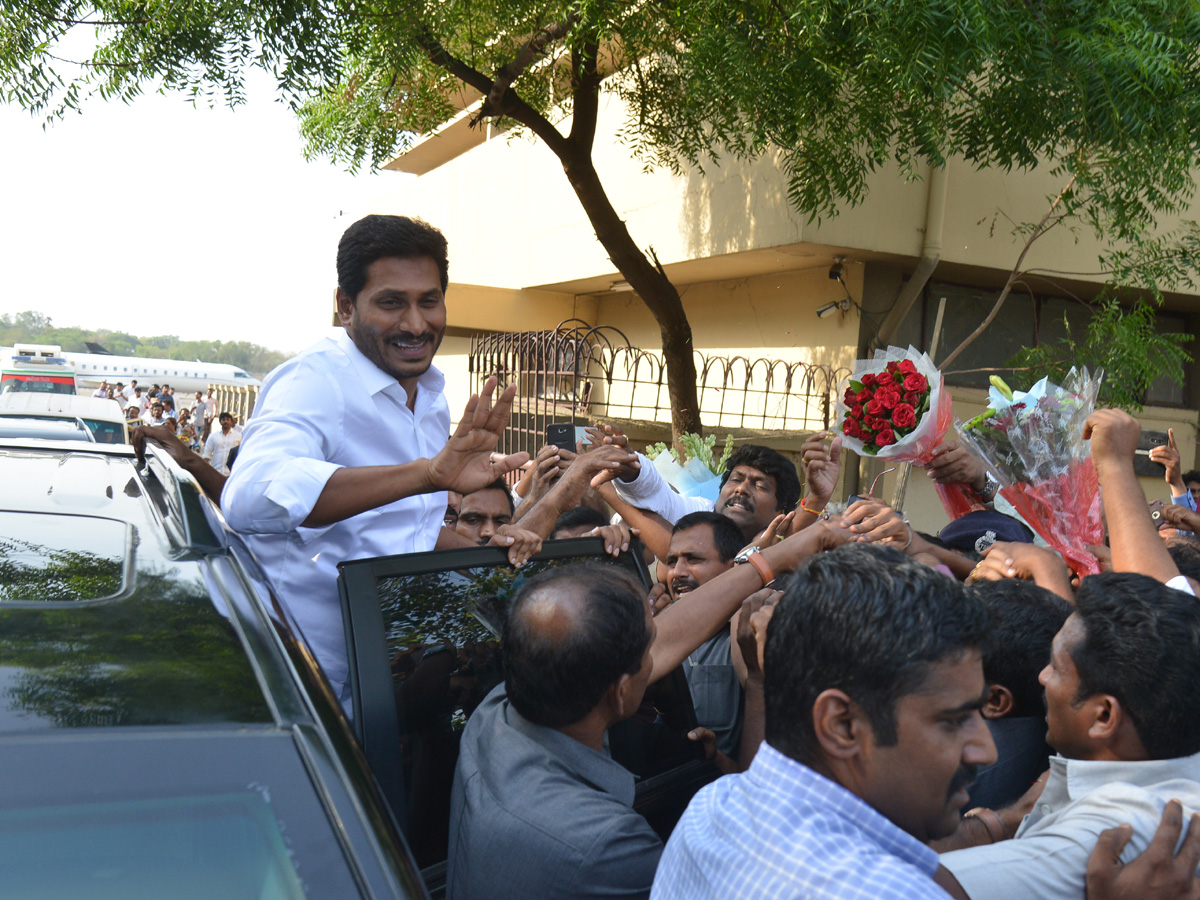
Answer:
[(163, 218)]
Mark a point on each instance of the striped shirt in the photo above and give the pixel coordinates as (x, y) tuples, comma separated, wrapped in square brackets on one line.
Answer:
[(780, 830)]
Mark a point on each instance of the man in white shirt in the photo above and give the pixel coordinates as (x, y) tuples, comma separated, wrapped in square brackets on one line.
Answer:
[(1122, 689), (219, 443), (154, 415), (346, 455), (101, 391)]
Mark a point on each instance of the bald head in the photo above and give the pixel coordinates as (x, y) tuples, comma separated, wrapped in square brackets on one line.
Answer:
[(570, 634)]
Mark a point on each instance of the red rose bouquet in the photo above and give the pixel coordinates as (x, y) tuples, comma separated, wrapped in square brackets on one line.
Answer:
[(895, 406)]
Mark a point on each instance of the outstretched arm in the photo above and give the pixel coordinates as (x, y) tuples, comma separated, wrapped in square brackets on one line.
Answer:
[(1136, 546), (464, 465), (683, 627)]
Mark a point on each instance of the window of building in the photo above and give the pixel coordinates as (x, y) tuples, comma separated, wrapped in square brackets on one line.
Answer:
[(1025, 320)]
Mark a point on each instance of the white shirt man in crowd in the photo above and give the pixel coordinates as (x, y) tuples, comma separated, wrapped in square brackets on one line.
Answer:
[(219, 443), (347, 454)]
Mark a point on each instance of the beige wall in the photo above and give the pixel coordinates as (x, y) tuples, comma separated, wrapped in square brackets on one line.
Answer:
[(513, 221)]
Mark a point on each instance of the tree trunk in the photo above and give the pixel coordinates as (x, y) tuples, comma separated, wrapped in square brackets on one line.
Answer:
[(651, 285)]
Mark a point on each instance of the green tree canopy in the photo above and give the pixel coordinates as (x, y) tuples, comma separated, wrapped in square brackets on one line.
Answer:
[(1106, 92)]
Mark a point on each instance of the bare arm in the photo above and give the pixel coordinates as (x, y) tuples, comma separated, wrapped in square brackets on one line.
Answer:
[(655, 531), (211, 481), (463, 465), (684, 627), (586, 470), (1136, 546)]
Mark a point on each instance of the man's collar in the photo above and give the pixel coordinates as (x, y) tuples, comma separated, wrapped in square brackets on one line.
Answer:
[(376, 379), (599, 769), (1082, 776)]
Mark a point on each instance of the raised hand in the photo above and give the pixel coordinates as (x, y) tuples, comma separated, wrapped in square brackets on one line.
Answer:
[(1168, 457), (611, 435), (616, 537), (465, 464), (822, 463), (1114, 436), (521, 544), (953, 463), (872, 520)]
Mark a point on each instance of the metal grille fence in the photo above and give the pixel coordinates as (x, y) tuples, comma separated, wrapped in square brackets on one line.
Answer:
[(579, 373)]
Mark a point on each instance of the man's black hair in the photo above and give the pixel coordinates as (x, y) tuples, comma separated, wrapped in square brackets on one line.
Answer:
[(380, 237), (1191, 475), (727, 537), (557, 679), (1025, 619), (498, 485), (224, 414), (1185, 551), (578, 517), (1142, 646), (769, 462), (866, 620)]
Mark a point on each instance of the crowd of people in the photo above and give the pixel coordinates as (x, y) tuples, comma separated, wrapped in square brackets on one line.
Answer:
[(896, 713)]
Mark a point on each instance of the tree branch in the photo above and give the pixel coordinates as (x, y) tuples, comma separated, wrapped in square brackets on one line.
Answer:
[(1049, 220), (512, 105), (585, 85), (532, 49)]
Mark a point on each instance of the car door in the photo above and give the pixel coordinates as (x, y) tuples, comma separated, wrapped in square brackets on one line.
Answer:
[(423, 639)]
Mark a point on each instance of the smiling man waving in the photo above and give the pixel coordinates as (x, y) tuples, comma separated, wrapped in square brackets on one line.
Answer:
[(346, 455)]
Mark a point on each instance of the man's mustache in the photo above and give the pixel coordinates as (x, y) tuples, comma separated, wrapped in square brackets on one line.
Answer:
[(964, 777)]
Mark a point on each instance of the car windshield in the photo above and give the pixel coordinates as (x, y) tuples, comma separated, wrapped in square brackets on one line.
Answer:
[(38, 384), (47, 427)]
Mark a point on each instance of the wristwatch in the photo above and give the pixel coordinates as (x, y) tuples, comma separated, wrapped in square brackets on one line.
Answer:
[(755, 558), (990, 486)]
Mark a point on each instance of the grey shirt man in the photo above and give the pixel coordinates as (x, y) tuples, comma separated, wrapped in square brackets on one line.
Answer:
[(716, 691), (534, 813)]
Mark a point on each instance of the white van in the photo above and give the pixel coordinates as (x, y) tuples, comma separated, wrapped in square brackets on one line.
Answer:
[(102, 418)]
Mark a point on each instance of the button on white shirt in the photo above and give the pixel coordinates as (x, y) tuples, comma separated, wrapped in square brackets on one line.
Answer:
[(326, 408)]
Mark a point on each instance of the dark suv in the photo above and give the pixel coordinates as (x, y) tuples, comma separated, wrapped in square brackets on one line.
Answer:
[(165, 733)]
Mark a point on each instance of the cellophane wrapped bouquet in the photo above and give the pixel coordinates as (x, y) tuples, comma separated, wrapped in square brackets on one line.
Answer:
[(698, 473), (1032, 442), (896, 407)]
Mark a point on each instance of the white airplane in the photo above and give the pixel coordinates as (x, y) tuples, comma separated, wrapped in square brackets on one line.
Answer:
[(183, 376)]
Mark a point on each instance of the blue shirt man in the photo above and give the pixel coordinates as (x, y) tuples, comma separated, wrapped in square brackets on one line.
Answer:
[(818, 841), (873, 687)]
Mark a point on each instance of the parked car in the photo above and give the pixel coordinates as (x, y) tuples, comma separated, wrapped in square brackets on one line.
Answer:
[(103, 419), (165, 732)]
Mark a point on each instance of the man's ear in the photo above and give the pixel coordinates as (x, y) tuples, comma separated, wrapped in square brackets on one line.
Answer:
[(839, 724), (999, 702), (1107, 717), (345, 307), (620, 696)]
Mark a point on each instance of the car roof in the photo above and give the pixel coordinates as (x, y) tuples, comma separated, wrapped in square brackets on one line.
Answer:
[(46, 404), (107, 609)]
